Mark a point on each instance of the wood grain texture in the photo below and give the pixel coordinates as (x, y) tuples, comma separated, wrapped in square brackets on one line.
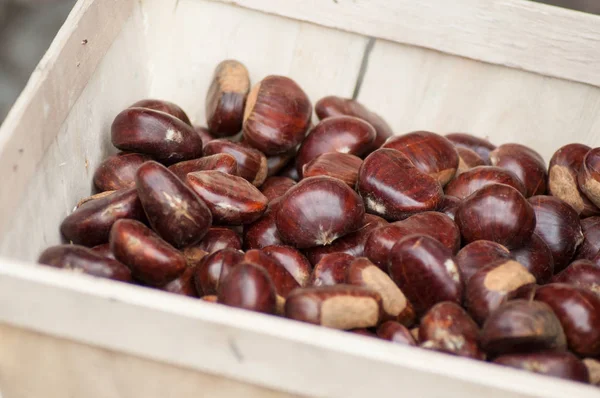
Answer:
[(520, 34)]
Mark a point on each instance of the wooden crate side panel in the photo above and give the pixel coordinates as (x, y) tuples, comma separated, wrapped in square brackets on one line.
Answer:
[(419, 89), (192, 37)]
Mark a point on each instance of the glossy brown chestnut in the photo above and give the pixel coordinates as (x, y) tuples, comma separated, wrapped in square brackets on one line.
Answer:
[(396, 333), (353, 243), (527, 164), (362, 272), (252, 163), (248, 286), (522, 326), (449, 206), (231, 199), (317, 211), (204, 134), (562, 178), (277, 115), (276, 163), (536, 257), (588, 177), (344, 134), (558, 225), (226, 98), (425, 271), (467, 159), (557, 364), (160, 135), (593, 367), (337, 106), (477, 255), (331, 269), (292, 260), (81, 259), (479, 145), (578, 310), (282, 278), (436, 225), (218, 238), (163, 106), (339, 307), (591, 238), (104, 251), (90, 224), (151, 259), (429, 152), (496, 212), (393, 188), (491, 286), (446, 327), (478, 177), (342, 166), (220, 162), (264, 232), (581, 273), (213, 268), (118, 171), (173, 210), (184, 284), (274, 187)]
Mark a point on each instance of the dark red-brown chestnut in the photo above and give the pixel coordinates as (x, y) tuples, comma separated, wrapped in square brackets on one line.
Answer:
[(527, 164), (479, 145), (118, 171)]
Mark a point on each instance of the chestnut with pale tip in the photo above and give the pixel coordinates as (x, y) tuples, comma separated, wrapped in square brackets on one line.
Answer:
[(477, 255), (536, 257), (251, 163)]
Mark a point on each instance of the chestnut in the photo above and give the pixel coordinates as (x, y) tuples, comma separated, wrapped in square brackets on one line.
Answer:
[(104, 251), (151, 259), (220, 162), (90, 224), (353, 243), (536, 257), (477, 255), (558, 364), (276, 163), (527, 164), (496, 212), (429, 152), (263, 232), (362, 272), (226, 98), (396, 333), (204, 134), (449, 205), (479, 145), (478, 177), (274, 187), (425, 271), (277, 115), (282, 279), (160, 135), (218, 238), (446, 327), (491, 286), (582, 273), (248, 286), (588, 177), (251, 163), (562, 178), (522, 326), (292, 260), (290, 171), (231, 199), (578, 310), (81, 259), (339, 307), (345, 134), (558, 225), (467, 159), (337, 106), (214, 267), (331, 269), (590, 246), (593, 367), (393, 188), (317, 211), (118, 171), (163, 106), (183, 285), (173, 210), (342, 166)]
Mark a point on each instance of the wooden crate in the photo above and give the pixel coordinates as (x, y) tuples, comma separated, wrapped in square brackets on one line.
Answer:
[(509, 70)]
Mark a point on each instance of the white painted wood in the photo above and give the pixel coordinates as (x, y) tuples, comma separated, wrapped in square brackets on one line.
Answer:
[(520, 34), (419, 89), (246, 346)]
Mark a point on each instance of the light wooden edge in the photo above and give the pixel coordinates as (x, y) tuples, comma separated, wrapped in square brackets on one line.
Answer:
[(172, 329), (520, 34)]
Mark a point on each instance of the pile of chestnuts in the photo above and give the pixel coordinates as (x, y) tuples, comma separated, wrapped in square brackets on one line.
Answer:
[(443, 242)]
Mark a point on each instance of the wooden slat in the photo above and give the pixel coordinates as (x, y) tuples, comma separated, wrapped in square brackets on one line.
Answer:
[(520, 34)]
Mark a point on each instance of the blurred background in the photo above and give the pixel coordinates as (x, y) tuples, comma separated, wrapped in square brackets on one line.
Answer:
[(27, 28)]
